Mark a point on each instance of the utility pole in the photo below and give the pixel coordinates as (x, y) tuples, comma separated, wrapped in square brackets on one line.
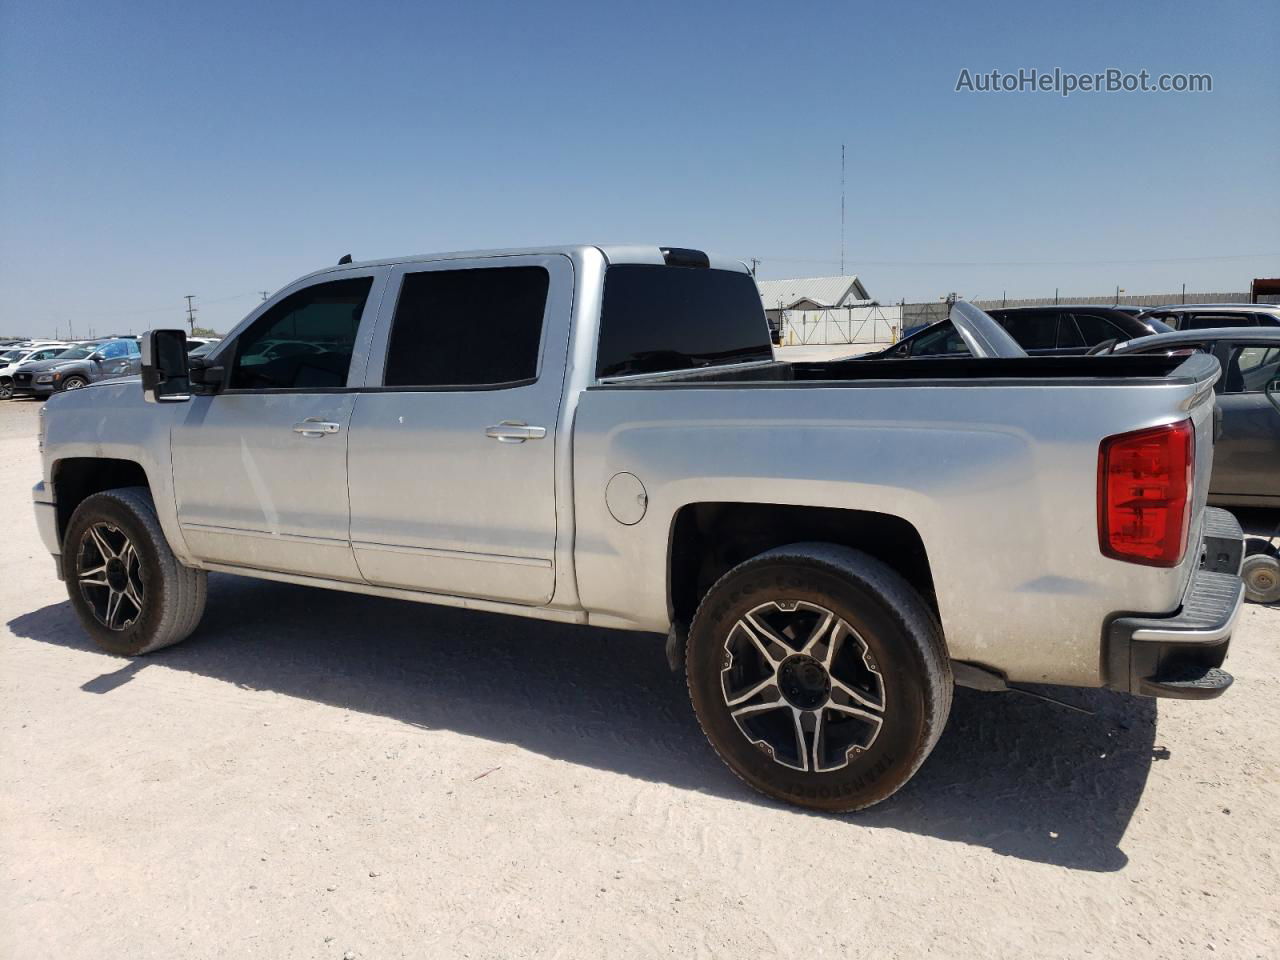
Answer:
[(755, 262), (1055, 296), (266, 293), (191, 313), (1184, 293), (1119, 290), (842, 209)]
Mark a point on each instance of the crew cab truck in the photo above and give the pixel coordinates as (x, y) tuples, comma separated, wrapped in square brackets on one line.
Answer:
[(601, 435)]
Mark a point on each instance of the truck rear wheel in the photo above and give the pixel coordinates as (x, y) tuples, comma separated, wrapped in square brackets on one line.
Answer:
[(819, 676), (126, 586)]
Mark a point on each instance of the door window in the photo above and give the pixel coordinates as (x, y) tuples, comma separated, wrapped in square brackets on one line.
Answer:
[(115, 350), (1068, 333), (304, 341), (1033, 330), (1096, 329), (467, 328), (1251, 368), (945, 341), (1209, 321)]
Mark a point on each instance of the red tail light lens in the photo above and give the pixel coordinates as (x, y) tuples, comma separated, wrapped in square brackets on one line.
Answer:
[(1144, 494)]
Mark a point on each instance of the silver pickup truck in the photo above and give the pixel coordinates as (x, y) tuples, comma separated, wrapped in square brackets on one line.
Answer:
[(601, 435)]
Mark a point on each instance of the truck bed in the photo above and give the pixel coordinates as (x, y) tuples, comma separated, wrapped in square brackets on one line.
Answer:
[(1021, 370)]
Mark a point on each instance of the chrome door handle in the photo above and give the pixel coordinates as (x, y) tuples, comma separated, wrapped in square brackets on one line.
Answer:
[(315, 428), (513, 431)]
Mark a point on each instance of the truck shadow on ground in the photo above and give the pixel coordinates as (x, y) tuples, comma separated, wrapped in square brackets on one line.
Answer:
[(1021, 777)]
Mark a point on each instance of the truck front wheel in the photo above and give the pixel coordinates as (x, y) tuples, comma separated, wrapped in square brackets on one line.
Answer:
[(126, 586), (819, 676)]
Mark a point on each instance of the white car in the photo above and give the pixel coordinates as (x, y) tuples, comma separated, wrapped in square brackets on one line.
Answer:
[(11, 360)]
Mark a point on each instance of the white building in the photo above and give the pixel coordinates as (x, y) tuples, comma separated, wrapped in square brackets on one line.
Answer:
[(810, 293)]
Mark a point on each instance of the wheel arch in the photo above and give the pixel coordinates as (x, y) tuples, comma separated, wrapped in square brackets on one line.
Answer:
[(77, 478), (708, 539)]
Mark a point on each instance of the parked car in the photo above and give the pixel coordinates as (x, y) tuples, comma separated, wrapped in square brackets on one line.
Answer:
[(196, 343), (78, 367), (1204, 316), (13, 360), (1062, 329), (1246, 457), (608, 440)]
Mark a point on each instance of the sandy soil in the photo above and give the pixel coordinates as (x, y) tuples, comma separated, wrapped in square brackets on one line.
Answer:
[(320, 775)]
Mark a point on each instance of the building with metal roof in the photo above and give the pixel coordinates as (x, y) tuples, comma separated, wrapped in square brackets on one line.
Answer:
[(812, 293)]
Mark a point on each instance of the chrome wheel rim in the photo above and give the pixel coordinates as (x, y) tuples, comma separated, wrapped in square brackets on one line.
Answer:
[(109, 574), (802, 686), (75, 383)]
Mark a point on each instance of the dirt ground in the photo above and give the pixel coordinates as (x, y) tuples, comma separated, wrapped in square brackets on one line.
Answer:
[(323, 775)]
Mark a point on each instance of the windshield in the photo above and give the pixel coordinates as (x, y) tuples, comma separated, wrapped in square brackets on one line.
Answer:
[(11, 355), (76, 353), (1159, 326)]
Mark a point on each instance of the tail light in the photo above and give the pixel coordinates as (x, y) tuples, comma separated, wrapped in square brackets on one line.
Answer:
[(1144, 494)]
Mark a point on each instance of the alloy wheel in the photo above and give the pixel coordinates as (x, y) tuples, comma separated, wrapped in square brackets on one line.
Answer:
[(802, 685), (109, 573)]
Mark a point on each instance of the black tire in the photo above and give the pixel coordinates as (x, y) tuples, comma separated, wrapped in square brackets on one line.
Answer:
[(76, 382), (1261, 575), (6, 388), (902, 653), (172, 596)]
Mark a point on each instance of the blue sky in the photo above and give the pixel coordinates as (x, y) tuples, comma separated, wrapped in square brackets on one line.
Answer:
[(151, 150)]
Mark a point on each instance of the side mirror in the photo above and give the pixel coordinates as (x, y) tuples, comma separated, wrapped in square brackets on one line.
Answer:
[(165, 377), (1273, 393), (96, 357)]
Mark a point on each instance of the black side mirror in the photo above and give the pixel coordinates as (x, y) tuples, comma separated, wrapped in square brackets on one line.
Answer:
[(1273, 393), (165, 376)]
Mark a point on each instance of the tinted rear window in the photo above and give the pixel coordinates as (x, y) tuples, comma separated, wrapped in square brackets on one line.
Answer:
[(657, 318)]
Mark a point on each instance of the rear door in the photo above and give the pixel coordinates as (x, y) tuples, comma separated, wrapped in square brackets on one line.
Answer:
[(452, 448), (1246, 458)]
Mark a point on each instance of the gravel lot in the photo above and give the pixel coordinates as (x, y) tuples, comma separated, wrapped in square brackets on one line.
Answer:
[(317, 774)]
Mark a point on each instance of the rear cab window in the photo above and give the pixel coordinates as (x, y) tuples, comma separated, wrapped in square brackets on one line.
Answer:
[(658, 318)]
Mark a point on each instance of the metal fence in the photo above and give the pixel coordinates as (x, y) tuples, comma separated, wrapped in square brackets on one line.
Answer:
[(841, 325), (877, 324)]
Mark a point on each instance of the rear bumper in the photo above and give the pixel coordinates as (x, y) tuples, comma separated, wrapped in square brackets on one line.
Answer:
[(1180, 656)]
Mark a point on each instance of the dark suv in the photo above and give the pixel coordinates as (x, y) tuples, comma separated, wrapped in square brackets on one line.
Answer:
[(1064, 328), (79, 367)]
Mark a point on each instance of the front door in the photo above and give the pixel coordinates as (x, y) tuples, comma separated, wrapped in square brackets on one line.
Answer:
[(260, 468), (452, 448)]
